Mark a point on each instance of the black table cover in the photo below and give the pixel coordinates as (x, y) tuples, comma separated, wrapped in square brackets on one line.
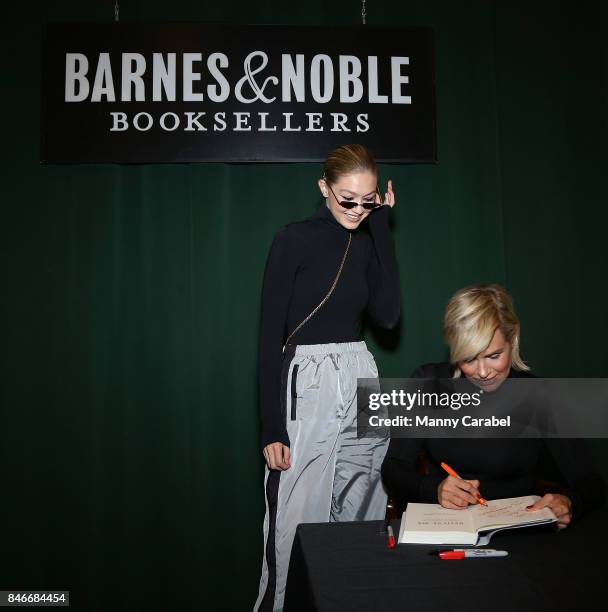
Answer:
[(348, 567)]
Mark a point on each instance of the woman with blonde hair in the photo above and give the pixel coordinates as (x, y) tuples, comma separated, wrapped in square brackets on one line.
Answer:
[(321, 276), (482, 332), (474, 317)]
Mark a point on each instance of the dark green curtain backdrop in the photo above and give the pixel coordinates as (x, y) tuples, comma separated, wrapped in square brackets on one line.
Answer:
[(131, 472)]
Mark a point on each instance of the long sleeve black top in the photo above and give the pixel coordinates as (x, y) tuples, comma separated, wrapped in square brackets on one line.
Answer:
[(302, 264), (505, 467)]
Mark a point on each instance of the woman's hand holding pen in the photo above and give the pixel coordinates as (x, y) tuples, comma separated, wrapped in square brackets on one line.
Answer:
[(457, 493), (560, 505), (277, 456)]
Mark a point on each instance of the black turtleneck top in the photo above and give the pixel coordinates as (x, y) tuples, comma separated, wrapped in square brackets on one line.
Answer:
[(302, 264), (505, 467)]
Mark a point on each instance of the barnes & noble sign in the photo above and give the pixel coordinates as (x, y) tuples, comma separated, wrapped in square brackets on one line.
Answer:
[(215, 92)]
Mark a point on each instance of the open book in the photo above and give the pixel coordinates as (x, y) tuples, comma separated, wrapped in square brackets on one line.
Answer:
[(433, 524)]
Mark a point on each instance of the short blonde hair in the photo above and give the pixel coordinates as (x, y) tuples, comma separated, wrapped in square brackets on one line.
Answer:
[(472, 316)]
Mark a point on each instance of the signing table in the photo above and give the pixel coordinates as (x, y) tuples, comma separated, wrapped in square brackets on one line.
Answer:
[(347, 567)]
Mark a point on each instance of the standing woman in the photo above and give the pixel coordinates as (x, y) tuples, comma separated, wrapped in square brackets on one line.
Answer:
[(321, 275)]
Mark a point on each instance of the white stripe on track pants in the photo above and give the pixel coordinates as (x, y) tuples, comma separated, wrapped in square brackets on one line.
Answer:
[(333, 475)]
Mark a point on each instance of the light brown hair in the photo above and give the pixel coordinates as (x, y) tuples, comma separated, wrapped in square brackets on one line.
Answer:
[(348, 159)]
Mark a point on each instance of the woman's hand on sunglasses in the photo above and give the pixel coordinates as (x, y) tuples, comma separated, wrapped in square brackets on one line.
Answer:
[(389, 196)]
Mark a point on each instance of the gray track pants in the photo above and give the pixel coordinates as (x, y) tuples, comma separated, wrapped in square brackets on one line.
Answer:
[(333, 475)]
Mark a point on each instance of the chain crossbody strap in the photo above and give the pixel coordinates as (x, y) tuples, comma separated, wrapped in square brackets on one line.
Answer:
[(322, 302)]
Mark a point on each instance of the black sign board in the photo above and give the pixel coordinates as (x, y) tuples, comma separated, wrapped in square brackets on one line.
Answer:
[(126, 92)]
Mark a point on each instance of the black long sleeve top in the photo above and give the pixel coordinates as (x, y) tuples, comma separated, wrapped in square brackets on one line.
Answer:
[(505, 467), (302, 264)]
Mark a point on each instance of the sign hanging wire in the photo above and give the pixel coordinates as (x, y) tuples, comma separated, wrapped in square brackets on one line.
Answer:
[(116, 11), (363, 12)]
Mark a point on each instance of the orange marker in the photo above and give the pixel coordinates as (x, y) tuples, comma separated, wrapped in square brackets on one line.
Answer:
[(452, 472)]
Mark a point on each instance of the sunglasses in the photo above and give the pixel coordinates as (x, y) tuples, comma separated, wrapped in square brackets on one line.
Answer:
[(350, 204)]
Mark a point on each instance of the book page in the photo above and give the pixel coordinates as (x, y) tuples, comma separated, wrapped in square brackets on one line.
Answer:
[(507, 512), (433, 518)]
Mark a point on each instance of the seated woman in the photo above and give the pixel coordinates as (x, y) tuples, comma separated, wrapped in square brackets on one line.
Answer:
[(482, 332)]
